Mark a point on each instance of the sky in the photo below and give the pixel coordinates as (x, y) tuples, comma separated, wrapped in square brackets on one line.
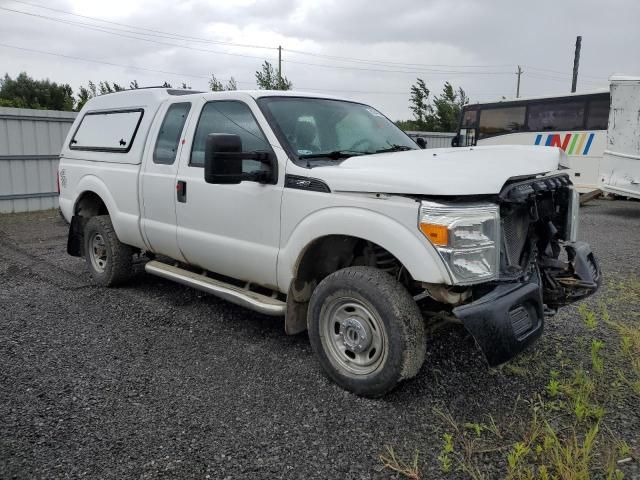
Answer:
[(368, 50)]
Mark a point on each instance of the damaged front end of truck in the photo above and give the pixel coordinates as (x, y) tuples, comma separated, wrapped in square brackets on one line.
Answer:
[(542, 267)]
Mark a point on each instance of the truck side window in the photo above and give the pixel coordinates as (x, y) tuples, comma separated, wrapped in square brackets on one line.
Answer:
[(170, 132), (229, 116)]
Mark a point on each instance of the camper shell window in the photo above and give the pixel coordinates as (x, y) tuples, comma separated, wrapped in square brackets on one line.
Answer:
[(108, 131)]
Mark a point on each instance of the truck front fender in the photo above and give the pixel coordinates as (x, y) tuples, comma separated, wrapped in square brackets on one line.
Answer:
[(415, 252)]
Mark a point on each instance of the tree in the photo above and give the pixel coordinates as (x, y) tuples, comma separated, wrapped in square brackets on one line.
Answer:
[(441, 116), (84, 95), (268, 79), (25, 92), (448, 107), (420, 105), (105, 87), (231, 84), (215, 85)]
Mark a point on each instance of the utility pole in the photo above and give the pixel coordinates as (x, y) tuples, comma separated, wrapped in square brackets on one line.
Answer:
[(576, 62), (520, 72), (280, 63)]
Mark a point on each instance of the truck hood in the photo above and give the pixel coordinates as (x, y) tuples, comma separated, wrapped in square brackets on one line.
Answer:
[(440, 171)]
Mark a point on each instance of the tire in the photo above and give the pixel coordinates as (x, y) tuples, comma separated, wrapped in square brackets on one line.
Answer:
[(368, 313), (109, 260)]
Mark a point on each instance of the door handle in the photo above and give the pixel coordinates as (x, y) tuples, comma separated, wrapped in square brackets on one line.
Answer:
[(181, 191)]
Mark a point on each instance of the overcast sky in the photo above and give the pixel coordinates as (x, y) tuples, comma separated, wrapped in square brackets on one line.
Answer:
[(387, 44)]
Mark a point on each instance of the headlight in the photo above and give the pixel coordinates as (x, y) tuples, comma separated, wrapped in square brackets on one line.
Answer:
[(466, 236)]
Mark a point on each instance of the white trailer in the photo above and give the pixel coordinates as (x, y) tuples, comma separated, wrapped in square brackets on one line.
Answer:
[(620, 169)]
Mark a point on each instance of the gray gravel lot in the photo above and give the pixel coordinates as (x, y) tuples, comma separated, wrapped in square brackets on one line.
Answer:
[(155, 380)]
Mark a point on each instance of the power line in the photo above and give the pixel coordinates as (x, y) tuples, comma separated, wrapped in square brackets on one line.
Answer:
[(166, 34), (171, 35), (561, 73), (101, 29), (116, 32), (181, 37), (190, 75), (218, 52), (71, 57), (384, 62)]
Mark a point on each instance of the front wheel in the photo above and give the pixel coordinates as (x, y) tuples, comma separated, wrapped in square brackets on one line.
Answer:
[(109, 260), (366, 330)]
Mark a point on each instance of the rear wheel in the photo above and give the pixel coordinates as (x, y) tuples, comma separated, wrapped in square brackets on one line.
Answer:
[(366, 330), (109, 260)]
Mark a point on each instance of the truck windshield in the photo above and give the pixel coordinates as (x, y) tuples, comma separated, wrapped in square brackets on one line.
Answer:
[(325, 129)]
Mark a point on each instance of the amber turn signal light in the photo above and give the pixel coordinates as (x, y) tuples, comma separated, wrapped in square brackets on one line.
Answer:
[(437, 234)]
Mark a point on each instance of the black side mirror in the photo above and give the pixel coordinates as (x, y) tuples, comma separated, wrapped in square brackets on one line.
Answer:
[(455, 141), (422, 143), (223, 158)]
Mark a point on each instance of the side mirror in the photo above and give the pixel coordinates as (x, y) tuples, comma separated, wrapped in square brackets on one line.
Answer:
[(223, 157), (422, 143), (455, 141)]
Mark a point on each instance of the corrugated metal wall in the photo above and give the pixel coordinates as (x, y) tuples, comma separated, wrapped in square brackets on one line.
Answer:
[(30, 142), (434, 139)]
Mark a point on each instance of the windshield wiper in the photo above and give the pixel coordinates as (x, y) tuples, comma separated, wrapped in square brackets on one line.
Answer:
[(335, 155), (395, 148)]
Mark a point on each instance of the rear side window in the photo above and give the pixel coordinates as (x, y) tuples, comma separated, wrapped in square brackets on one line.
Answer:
[(556, 116), (495, 121), (229, 116), (112, 131), (170, 133)]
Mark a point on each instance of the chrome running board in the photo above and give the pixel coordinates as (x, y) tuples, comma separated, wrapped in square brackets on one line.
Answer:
[(240, 296)]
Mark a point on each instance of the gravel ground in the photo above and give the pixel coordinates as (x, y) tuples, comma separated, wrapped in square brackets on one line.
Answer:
[(156, 380)]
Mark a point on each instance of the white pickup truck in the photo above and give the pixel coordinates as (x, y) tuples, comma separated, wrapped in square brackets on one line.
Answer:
[(322, 211)]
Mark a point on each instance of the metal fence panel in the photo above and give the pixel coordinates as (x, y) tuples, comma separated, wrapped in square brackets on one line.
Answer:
[(30, 142), (434, 139)]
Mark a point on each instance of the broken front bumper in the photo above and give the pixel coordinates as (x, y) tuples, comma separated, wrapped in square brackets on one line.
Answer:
[(509, 318)]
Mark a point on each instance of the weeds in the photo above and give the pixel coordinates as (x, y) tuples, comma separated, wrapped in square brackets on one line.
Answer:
[(588, 316), (597, 362), (563, 434), (445, 454), (553, 388), (409, 470)]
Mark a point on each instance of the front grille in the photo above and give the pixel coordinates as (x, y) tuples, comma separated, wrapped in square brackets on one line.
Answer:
[(515, 225), (530, 208)]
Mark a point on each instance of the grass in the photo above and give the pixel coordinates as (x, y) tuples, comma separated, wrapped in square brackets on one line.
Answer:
[(564, 431), (392, 462)]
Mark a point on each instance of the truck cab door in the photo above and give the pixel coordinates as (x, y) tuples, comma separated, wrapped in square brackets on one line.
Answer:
[(158, 188), (233, 230)]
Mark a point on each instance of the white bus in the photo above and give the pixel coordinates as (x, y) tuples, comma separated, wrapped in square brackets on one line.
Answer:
[(577, 123), (620, 169)]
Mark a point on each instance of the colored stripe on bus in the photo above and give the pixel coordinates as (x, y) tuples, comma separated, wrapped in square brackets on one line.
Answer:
[(581, 143), (549, 140), (586, 149), (573, 144), (538, 138)]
